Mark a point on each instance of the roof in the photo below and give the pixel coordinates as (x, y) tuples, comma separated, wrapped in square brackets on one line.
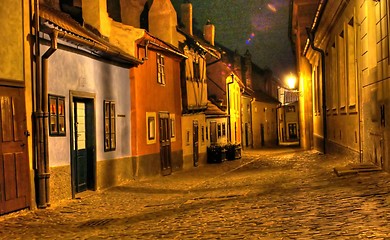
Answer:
[(160, 44), (197, 42), (213, 110), (72, 31), (261, 96)]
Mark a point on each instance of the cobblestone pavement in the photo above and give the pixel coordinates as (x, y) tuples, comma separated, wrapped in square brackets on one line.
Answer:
[(274, 194)]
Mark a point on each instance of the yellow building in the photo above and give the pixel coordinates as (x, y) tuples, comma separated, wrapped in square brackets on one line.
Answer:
[(344, 76)]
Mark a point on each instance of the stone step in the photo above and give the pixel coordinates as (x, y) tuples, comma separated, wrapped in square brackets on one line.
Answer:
[(355, 169)]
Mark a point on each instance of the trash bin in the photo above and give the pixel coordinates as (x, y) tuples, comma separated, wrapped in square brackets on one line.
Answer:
[(233, 151), (216, 154)]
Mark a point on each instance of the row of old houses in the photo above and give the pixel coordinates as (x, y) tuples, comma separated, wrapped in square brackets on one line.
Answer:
[(94, 93), (342, 50)]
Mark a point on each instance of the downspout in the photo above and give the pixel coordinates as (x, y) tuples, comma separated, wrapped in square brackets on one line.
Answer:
[(228, 103), (45, 105), (37, 116), (310, 35)]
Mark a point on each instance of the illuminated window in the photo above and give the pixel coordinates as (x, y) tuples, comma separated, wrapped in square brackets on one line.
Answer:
[(109, 126), (160, 69), (173, 125), (151, 128), (57, 116)]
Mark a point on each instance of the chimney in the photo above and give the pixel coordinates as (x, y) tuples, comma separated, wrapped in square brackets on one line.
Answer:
[(95, 14), (131, 11), (186, 16), (209, 32), (163, 21)]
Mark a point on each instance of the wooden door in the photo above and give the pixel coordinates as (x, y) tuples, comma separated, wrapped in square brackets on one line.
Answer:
[(195, 143), (165, 144), (14, 165), (262, 134)]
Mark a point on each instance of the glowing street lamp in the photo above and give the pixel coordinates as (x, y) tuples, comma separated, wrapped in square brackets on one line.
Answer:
[(291, 81)]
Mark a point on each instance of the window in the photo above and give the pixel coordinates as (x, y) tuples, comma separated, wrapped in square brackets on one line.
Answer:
[(207, 133), (351, 64), (315, 86), (172, 127), (188, 138), (196, 70), (173, 134), (334, 79), (150, 127), (109, 126), (341, 68), (223, 129), (160, 69), (57, 115), (213, 132), (219, 130), (202, 133), (291, 109)]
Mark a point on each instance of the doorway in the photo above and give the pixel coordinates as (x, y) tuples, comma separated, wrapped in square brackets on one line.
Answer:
[(83, 144), (292, 131), (196, 142), (165, 144), (14, 165)]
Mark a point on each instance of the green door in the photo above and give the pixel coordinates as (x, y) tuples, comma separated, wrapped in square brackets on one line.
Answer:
[(83, 145)]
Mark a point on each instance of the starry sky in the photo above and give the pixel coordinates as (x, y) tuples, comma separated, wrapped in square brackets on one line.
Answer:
[(260, 26)]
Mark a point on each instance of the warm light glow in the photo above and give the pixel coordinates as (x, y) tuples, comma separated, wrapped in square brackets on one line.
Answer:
[(291, 81)]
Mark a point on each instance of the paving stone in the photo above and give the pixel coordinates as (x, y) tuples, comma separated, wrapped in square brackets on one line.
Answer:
[(269, 194)]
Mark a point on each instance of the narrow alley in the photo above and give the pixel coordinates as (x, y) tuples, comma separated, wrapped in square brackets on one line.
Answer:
[(281, 193)]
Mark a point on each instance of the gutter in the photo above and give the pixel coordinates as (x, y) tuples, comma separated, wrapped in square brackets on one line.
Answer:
[(311, 36), (168, 49), (98, 47)]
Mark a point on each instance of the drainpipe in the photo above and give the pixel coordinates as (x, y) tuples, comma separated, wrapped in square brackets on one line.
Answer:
[(38, 120), (251, 109), (228, 103), (45, 105), (310, 35)]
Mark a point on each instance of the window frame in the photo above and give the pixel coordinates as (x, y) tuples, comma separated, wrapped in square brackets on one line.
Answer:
[(161, 69), (110, 120), (151, 127), (56, 115)]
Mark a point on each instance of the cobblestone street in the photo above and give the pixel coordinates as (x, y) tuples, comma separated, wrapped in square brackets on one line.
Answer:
[(273, 194)]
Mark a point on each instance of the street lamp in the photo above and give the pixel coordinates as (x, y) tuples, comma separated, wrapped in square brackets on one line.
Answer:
[(291, 81)]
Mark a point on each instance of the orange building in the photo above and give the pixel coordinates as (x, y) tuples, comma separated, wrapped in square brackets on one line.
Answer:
[(156, 109)]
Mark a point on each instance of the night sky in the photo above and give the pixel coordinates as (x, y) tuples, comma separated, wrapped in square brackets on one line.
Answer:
[(260, 26)]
